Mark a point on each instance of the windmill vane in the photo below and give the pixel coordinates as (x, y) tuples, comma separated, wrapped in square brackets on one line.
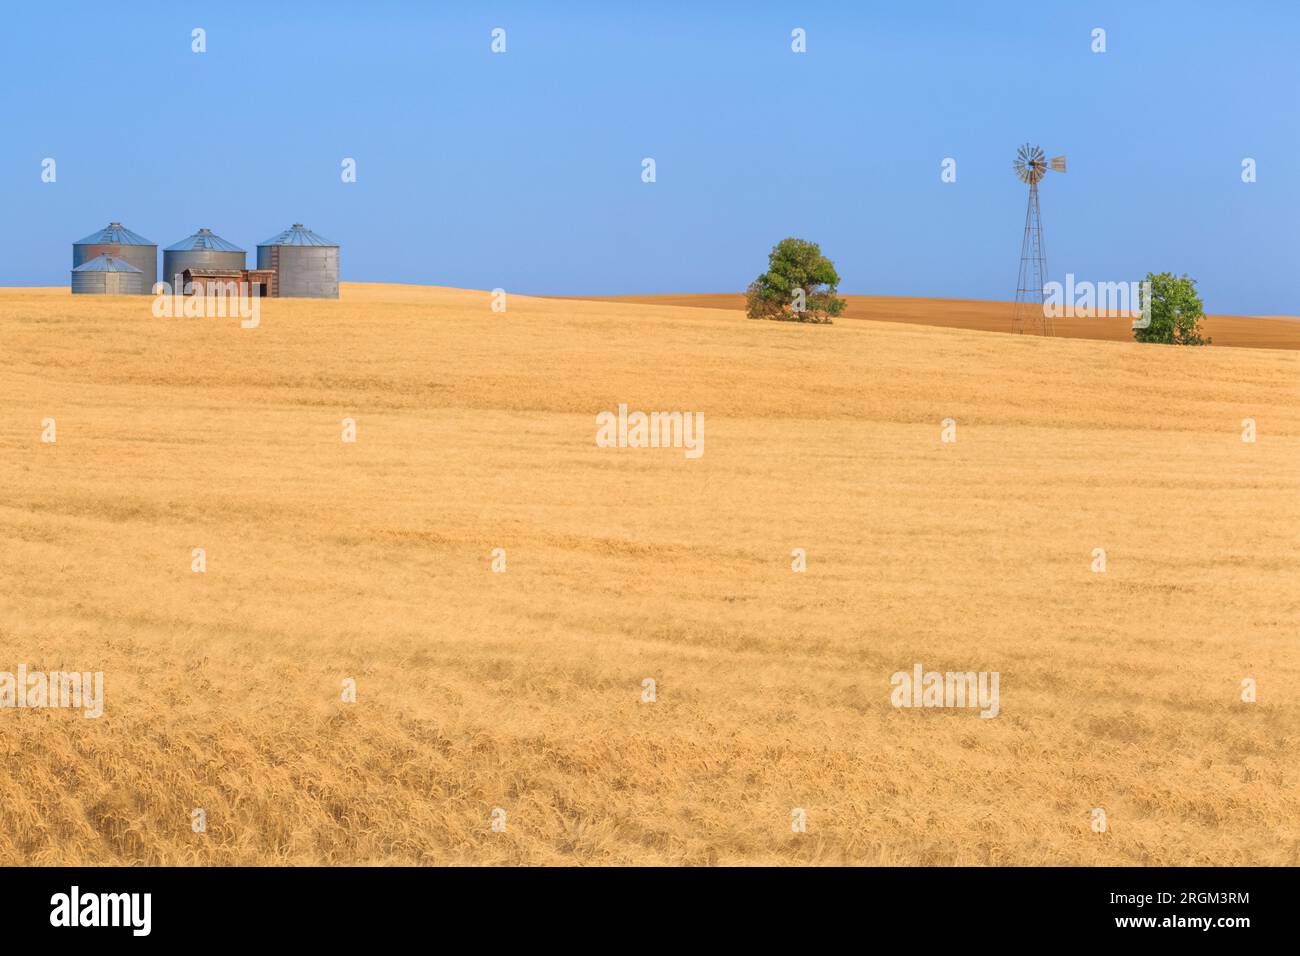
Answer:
[(1031, 165)]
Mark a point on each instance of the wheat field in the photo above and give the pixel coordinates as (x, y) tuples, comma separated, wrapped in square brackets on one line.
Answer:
[(1238, 331), (522, 691)]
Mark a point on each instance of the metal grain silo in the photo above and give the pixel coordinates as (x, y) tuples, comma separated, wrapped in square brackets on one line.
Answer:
[(121, 243), (306, 265), (107, 275), (203, 250)]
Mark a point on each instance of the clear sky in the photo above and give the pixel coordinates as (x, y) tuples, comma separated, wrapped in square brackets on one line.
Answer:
[(523, 170)]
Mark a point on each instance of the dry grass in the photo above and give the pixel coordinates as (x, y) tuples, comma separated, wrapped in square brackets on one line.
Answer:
[(1235, 331), (522, 690)]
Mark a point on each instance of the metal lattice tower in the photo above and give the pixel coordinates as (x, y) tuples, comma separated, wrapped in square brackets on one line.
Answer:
[(1031, 166)]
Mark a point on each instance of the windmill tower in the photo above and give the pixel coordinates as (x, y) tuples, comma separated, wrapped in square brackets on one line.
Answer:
[(1031, 166)]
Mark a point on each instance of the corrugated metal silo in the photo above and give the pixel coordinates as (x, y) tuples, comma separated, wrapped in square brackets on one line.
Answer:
[(107, 275), (306, 265), (121, 243), (203, 250)]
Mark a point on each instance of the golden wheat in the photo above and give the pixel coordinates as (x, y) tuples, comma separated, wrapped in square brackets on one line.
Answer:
[(522, 691)]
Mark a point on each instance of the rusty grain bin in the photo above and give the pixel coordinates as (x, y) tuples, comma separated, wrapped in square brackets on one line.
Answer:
[(306, 265)]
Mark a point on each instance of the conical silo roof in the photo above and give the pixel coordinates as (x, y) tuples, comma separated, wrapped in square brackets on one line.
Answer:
[(297, 235), (203, 240), (114, 234), (107, 264)]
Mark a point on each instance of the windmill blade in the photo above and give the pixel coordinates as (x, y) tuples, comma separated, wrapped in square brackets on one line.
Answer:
[(1030, 164), (1058, 164)]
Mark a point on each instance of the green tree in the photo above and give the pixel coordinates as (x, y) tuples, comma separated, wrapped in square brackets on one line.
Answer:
[(798, 286), (1176, 311)]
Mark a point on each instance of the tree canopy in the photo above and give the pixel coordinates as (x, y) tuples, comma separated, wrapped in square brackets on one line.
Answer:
[(1176, 311), (799, 285)]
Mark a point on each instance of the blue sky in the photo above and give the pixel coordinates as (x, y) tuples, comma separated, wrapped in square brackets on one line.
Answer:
[(523, 170)]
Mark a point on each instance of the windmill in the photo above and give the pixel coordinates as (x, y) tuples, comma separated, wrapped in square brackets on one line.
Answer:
[(1031, 166)]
